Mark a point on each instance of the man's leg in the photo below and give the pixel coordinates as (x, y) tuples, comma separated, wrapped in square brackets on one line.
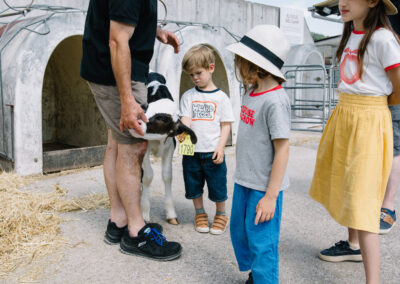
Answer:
[(117, 211), (128, 173)]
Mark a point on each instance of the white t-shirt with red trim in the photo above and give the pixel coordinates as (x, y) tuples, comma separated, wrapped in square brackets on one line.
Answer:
[(382, 54), (207, 109)]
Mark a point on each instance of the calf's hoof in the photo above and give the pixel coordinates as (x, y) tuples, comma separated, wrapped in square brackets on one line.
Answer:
[(173, 221)]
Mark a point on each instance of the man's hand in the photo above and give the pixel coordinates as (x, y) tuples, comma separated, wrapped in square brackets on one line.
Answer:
[(131, 112), (218, 156), (168, 37), (265, 209)]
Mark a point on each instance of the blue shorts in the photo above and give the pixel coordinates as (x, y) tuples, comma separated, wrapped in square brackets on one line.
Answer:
[(395, 111), (200, 168)]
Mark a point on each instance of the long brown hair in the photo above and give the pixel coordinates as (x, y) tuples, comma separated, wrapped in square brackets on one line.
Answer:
[(376, 18)]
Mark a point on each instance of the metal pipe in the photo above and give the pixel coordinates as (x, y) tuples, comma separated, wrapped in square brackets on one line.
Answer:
[(316, 16)]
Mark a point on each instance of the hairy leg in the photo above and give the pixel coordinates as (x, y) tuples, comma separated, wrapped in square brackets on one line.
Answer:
[(147, 179), (117, 211), (128, 175)]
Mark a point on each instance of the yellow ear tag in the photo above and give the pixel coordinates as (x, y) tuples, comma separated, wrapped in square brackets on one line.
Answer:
[(186, 147)]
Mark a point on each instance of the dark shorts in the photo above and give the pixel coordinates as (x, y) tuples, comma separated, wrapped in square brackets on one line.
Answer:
[(395, 111), (109, 103), (199, 169)]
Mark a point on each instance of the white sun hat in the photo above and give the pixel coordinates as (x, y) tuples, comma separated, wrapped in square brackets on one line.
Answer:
[(266, 46), (390, 7)]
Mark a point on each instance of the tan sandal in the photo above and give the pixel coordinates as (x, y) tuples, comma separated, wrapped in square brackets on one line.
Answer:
[(219, 225), (201, 223)]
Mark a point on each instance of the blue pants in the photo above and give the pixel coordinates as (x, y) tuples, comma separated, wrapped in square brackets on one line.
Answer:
[(256, 247)]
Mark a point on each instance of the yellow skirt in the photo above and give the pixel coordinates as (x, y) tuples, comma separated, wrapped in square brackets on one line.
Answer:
[(354, 161)]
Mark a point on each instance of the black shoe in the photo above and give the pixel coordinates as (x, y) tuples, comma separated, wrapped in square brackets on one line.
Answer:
[(150, 243), (114, 234), (250, 280), (341, 251)]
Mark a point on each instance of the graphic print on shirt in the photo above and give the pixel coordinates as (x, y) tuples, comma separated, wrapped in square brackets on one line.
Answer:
[(349, 68), (247, 115), (203, 110)]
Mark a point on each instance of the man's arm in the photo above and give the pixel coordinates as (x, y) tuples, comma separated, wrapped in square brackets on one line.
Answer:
[(120, 35)]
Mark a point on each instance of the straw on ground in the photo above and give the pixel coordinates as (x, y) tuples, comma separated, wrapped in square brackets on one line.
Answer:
[(30, 221)]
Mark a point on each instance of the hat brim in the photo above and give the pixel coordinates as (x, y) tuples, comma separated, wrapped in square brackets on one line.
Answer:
[(255, 58), (390, 7)]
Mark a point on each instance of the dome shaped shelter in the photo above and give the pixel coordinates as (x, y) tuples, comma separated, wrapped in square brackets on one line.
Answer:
[(46, 105)]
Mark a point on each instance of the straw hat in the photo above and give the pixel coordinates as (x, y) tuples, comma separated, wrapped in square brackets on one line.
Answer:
[(390, 7), (266, 46)]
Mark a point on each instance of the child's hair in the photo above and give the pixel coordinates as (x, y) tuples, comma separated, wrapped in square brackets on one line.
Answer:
[(198, 56), (248, 73), (376, 18)]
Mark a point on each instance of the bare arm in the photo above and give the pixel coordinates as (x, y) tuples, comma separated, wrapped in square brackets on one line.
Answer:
[(121, 63), (168, 37), (266, 206), (186, 120), (394, 75), (218, 155)]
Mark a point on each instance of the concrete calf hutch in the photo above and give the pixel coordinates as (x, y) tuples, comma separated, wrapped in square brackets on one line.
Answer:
[(51, 121)]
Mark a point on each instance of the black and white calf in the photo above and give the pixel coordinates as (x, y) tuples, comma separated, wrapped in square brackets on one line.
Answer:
[(163, 125)]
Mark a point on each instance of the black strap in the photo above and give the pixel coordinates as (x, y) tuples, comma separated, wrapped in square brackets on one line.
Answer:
[(263, 51)]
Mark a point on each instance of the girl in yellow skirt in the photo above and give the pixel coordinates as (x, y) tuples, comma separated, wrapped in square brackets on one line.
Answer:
[(356, 149)]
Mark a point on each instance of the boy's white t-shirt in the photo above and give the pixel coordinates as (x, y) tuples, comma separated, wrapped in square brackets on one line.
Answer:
[(206, 109), (382, 54)]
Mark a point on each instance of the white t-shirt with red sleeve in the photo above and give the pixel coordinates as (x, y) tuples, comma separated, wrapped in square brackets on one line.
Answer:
[(382, 55)]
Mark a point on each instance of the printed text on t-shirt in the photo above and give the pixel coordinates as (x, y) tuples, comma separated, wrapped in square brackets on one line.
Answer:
[(247, 115), (203, 110)]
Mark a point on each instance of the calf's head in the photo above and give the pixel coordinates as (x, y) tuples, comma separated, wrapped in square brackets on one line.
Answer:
[(162, 113)]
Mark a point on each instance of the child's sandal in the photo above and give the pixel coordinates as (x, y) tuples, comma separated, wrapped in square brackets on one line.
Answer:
[(201, 223), (219, 225)]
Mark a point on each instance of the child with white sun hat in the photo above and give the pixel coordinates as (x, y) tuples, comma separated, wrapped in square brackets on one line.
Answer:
[(262, 151)]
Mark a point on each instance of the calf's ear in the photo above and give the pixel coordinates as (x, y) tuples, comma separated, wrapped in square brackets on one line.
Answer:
[(180, 127)]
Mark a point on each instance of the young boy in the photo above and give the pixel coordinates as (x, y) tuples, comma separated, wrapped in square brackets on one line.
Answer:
[(208, 112)]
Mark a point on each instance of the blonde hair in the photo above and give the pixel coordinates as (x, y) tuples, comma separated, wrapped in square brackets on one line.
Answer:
[(198, 56), (248, 73)]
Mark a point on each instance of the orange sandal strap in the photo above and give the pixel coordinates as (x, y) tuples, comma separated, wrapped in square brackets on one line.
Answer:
[(220, 222), (201, 220)]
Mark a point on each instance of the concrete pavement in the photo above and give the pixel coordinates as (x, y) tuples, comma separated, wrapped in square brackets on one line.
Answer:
[(306, 229)]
